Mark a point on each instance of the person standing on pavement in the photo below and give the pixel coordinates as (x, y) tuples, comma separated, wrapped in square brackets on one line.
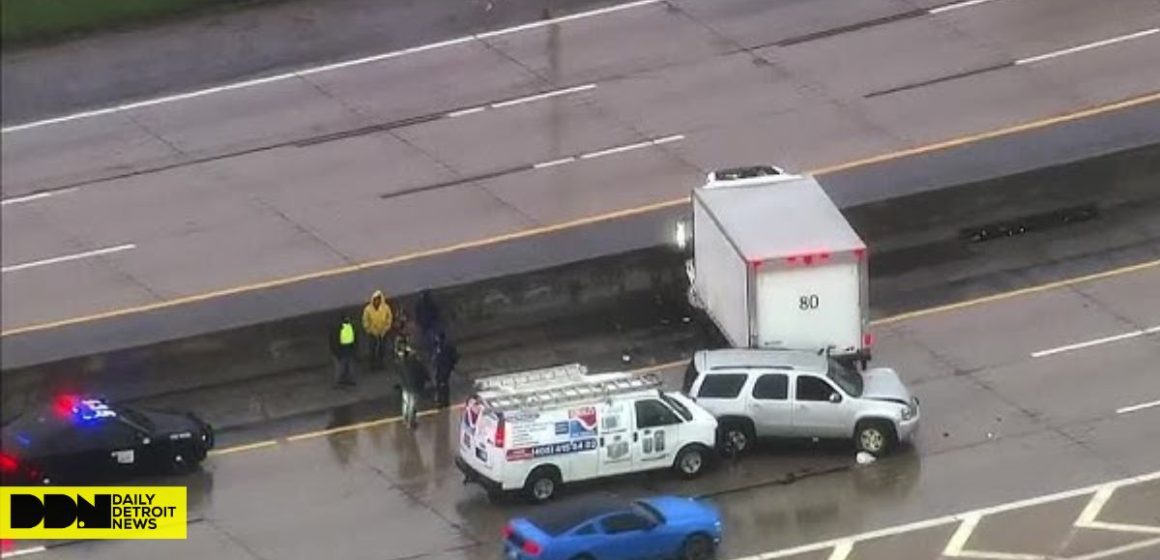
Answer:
[(342, 349), (444, 358), (427, 315), (413, 378), (377, 319)]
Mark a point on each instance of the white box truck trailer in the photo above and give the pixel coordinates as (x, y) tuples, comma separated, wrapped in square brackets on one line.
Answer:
[(776, 265)]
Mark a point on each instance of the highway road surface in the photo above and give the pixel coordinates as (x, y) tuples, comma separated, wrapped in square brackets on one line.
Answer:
[(444, 148), (1039, 410)]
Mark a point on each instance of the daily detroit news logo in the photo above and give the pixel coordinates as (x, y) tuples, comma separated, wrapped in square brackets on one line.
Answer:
[(93, 512)]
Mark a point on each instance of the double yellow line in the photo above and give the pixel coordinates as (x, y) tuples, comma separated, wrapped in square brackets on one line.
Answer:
[(1141, 267), (623, 213)]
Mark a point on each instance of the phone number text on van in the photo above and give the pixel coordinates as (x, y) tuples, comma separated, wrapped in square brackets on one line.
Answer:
[(549, 450)]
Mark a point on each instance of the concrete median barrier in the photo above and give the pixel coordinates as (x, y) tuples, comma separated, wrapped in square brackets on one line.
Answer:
[(919, 258)]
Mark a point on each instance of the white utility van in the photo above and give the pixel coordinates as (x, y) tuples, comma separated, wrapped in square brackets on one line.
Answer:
[(534, 431), (776, 265)]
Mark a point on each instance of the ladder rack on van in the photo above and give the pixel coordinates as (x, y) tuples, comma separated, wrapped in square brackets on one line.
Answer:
[(568, 373), (581, 391)]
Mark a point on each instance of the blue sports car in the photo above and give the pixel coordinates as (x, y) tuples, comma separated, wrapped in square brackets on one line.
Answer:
[(608, 528)]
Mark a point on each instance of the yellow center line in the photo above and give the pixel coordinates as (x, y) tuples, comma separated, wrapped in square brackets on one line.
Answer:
[(1141, 267), (532, 232)]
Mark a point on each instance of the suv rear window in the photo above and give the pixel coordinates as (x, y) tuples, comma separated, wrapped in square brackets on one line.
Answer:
[(722, 385)]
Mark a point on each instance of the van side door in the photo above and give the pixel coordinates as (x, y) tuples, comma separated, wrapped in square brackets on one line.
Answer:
[(657, 434), (615, 440), (769, 405)]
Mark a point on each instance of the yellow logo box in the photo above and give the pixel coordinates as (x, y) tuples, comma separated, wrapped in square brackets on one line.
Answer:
[(93, 512)]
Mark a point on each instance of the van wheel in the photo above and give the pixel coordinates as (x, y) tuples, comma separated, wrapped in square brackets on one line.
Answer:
[(690, 462), (875, 437), (698, 547), (542, 484), (737, 438)]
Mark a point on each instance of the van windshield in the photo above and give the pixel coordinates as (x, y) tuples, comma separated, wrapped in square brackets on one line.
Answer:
[(678, 406), (849, 380)]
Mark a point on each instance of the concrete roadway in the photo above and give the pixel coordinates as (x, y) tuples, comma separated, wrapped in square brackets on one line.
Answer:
[(1022, 396), (334, 169)]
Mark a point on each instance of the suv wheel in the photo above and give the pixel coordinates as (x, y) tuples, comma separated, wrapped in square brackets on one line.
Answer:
[(737, 438), (875, 437)]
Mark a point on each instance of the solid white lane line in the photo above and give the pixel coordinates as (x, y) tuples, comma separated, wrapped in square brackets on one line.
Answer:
[(1096, 342), (146, 103), (554, 162), (66, 258), (956, 6), (1137, 407), (463, 112), (317, 69), (962, 534), (26, 198), (545, 95), (563, 19), (667, 139), (1112, 552), (842, 550), (1094, 506), (955, 518), (23, 551), (1088, 46), (376, 58)]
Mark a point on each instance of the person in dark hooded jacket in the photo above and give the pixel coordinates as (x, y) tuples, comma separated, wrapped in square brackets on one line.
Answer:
[(414, 377), (444, 358), (428, 316)]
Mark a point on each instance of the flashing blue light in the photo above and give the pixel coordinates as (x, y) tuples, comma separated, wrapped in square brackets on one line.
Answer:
[(92, 410), (24, 440)]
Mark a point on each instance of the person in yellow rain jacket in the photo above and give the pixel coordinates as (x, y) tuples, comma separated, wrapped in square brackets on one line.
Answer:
[(377, 320)]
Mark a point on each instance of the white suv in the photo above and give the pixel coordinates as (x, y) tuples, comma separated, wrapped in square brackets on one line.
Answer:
[(800, 394)]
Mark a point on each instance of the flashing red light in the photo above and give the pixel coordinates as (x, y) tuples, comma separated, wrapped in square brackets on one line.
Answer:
[(507, 531), (867, 340), (63, 405), (500, 433), (531, 547), (8, 464)]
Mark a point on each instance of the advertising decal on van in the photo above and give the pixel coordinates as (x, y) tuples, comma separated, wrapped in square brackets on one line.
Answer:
[(574, 435)]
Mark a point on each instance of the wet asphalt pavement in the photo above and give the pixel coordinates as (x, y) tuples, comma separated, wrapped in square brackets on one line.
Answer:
[(998, 425)]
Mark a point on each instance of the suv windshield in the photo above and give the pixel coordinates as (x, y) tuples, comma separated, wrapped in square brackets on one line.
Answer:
[(849, 380), (677, 406)]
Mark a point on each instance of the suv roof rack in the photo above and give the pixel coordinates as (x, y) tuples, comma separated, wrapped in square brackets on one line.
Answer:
[(604, 386), (780, 367)]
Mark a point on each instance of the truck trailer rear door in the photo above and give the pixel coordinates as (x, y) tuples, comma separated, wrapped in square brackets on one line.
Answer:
[(809, 305)]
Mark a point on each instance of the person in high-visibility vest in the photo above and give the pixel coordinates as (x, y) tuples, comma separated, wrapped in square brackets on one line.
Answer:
[(343, 349)]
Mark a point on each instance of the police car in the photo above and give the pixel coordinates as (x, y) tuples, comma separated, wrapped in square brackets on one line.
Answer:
[(536, 431), (79, 441)]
